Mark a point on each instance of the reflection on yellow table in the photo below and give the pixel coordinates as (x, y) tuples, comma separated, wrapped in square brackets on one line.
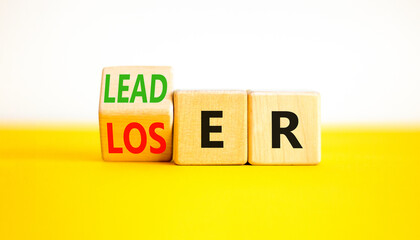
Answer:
[(54, 185)]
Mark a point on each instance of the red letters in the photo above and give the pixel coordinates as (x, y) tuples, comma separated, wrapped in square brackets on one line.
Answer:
[(157, 137), (143, 138), (111, 147)]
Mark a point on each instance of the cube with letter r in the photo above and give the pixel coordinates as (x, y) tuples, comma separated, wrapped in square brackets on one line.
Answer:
[(284, 128)]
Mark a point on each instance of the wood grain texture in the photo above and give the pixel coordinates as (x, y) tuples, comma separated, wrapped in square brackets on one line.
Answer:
[(188, 148), (306, 106), (144, 113)]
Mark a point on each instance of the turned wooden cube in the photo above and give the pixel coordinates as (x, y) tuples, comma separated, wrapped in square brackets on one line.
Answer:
[(136, 113), (210, 127), (284, 128)]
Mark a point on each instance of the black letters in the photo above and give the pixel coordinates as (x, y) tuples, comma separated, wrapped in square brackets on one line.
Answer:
[(206, 129), (287, 131)]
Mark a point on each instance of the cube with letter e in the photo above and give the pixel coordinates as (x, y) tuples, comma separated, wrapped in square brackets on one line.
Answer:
[(210, 127)]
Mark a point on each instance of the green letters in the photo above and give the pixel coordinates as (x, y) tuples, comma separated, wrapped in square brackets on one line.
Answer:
[(142, 92), (162, 79), (107, 98), (138, 90), (122, 88)]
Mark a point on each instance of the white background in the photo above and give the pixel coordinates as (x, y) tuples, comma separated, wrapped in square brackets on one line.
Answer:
[(363, 56)]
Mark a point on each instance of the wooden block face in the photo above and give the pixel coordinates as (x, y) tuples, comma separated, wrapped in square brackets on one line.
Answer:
[(284, 128), (210, 127), (136, 114)]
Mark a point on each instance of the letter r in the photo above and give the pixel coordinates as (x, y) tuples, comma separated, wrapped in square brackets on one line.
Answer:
[(287, 131)]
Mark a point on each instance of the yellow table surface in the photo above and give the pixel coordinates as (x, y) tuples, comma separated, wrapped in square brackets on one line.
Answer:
[(54, 185)]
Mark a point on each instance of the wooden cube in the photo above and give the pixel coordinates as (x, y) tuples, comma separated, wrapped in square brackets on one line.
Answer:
[(284, 128), (136, 113), (210, 127)]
